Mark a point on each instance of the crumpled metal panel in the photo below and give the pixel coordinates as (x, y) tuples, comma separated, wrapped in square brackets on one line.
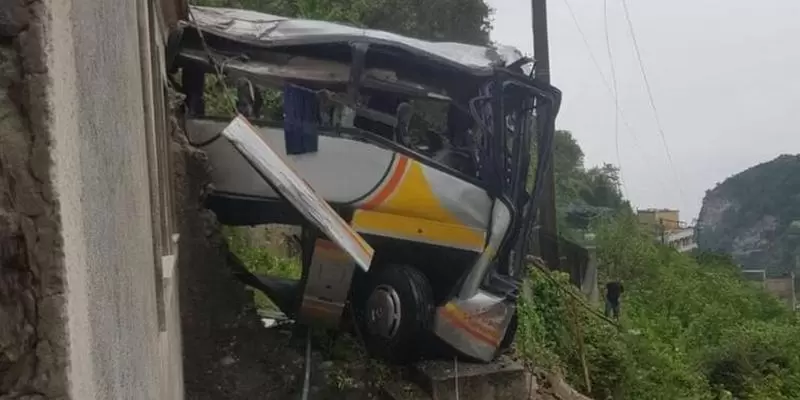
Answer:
[(271, 31), (285, 180)]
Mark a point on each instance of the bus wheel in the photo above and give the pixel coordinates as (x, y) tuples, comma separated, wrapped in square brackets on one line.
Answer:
[(396, 312)]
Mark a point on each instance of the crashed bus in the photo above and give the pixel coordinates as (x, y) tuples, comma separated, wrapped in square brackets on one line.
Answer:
[(445, 213)]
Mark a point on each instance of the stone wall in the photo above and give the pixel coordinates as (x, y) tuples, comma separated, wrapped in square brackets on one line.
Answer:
[(88, 306), (33, 345), (782, 288)]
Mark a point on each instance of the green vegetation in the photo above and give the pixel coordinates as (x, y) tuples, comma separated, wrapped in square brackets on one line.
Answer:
[(260, 259), (575, 184), (749, 213), (691, 327), (464, 21), (583, 195)]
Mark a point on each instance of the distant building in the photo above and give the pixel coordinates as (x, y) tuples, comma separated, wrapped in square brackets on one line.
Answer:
[(782, 287), (655, 217), (682, 239), (669, 229)]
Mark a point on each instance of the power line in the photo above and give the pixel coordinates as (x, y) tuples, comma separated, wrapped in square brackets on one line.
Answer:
[(619, 109), (588, 47), (615, 94), (650, 97)]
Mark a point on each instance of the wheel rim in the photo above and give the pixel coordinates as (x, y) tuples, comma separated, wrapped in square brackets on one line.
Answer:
[(383, 312)]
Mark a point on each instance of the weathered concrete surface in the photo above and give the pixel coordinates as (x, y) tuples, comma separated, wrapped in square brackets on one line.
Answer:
[(100, 176), (78, 313), (32, 323), (783, 288), (504, 379), (500, 380)]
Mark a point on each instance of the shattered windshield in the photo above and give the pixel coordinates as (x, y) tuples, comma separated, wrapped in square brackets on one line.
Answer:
[(395, 93)]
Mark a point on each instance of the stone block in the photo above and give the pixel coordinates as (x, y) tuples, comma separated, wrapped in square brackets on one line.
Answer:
[(503, 379)]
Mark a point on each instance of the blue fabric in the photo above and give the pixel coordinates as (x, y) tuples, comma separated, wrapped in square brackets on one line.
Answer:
[(300, 123)]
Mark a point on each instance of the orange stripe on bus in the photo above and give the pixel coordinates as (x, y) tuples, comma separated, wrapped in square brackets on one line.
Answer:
[(337, 250), (471, 330), (391, 185)]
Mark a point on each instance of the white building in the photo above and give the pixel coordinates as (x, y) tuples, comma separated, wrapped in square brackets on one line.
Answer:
[(668, 228), (681, 239)]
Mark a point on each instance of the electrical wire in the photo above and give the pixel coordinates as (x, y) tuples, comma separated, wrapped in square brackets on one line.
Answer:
[(619, 113), (615, 94), (652, 102), (598, 68), (620, 110)]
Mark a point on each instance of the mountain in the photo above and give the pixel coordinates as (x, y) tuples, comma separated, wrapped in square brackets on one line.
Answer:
[(748, 215)]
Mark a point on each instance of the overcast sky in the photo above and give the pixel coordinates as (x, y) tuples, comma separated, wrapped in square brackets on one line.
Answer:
[(725, 76)]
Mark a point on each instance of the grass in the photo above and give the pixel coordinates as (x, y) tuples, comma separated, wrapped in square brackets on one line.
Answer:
[(259, 257)]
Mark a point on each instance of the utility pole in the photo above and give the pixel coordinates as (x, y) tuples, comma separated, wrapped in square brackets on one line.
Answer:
[(794, 235), (794, 294), (547, 204)]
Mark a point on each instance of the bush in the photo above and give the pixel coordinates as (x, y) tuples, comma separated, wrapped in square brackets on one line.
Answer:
[(260, 260), (693, 328), (558, 332)]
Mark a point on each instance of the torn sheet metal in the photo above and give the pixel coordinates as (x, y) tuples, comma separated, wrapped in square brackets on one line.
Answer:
[(283, 179), (267, 30), (316, 72)]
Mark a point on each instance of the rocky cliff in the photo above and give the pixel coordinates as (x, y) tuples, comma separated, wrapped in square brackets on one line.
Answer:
[(748, 215)]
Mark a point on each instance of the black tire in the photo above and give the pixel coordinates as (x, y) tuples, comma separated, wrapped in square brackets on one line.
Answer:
[(399, 340)]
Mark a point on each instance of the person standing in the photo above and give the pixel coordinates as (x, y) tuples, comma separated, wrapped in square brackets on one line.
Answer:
[(614, 290)]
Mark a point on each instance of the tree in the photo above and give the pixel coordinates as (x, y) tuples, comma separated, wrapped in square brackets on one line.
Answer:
[(602, 188), (568, 165), (575, 185), (465, 21)]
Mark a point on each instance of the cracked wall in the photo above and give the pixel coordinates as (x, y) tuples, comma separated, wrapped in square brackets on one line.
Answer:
[(78, 301), (32, 322)]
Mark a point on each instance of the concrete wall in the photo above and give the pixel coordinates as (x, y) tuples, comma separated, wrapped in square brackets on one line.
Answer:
[(783, 288), (82, 200)]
